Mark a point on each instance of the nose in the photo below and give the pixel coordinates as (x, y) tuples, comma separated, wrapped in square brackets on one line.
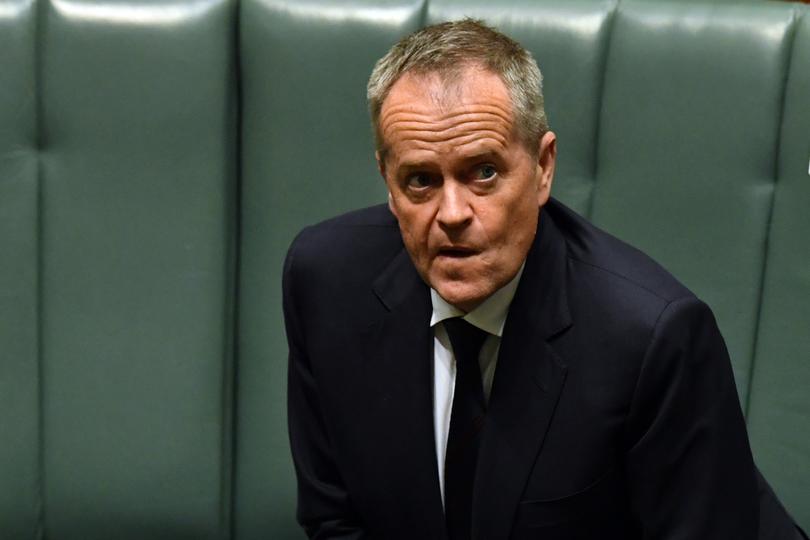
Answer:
[(454, 207)]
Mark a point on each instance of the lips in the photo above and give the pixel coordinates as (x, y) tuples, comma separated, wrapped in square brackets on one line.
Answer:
[(456, 252)]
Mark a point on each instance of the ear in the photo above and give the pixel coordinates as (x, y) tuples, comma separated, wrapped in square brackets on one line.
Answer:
[(381, 168), (546, 162), (380, 163), (391, 205)]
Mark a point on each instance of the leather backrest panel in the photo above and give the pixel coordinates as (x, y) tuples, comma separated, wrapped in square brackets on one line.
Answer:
[(665, 177), (779, 406), (19, 227), (138, 174), (307, 154)]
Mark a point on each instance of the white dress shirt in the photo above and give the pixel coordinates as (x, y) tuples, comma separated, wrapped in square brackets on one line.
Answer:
[(490, 317)]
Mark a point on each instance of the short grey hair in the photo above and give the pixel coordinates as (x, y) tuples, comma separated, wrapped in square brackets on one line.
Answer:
[(446, 49)]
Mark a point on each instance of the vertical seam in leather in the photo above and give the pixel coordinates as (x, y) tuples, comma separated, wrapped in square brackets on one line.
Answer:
[(423, 13), (790, 40), (609, 25), (39, 21), (230, 352)]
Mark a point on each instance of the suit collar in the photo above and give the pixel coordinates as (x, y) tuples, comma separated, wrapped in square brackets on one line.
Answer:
[(398, 282), (541, 295)]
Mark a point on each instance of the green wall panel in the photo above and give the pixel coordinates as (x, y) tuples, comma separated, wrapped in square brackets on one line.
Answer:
[(19, 390), (779, 408), (689, 124), (139, 174), (307, 154)]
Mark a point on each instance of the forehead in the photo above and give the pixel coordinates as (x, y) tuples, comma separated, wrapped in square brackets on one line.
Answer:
[(469, 84), (426, 111)]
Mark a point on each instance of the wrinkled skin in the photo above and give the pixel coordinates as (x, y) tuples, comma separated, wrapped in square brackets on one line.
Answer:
[(465, 189)]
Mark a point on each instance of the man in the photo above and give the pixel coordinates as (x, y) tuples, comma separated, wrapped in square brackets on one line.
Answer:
[(477, 361)]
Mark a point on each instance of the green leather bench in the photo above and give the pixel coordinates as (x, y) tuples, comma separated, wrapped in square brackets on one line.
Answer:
[(156, 159)]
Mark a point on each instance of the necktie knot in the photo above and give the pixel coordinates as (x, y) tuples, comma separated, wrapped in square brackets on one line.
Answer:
[(465, 338)]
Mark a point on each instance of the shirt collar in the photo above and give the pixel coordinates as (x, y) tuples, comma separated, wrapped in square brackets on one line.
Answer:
[(489, 316)]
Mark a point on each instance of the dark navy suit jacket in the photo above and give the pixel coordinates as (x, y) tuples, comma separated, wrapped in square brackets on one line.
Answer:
[(613, 412)]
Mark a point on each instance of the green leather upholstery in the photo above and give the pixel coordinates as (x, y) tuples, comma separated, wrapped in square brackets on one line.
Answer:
[(119, 282), (778, 403), (157, 158), (19, 284), (664, 178), (306, 154), (137, 146)]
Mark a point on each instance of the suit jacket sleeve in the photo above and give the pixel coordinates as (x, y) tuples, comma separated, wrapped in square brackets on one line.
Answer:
[(324, 508), (690, 470)]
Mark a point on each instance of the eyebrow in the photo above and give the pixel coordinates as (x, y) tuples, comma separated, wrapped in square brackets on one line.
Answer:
[(413, 166), (484, 154)]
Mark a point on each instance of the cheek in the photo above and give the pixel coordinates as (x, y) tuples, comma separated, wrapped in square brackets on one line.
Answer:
[(415, 229), (517, 222), (505, 219)]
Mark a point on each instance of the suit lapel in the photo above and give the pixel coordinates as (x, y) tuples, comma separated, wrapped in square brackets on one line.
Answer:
[(400, 369), (528, 381)]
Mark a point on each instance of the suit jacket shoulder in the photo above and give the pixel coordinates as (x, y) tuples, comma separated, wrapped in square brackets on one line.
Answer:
[(330, 266), (360, 242), (615, 260)]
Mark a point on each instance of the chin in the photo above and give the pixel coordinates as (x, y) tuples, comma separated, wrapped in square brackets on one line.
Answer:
[(464, 296)]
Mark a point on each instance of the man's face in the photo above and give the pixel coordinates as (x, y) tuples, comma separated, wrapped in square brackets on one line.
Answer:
[(464, 188)]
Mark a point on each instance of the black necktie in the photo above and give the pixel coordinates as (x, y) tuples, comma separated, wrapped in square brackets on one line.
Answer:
[(466, 421)]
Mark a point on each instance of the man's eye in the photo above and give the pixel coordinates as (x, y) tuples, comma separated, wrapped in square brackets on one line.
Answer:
[(485, 172), (418, 181)]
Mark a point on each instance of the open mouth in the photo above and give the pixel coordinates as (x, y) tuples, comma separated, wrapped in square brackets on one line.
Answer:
[(456, 253)]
